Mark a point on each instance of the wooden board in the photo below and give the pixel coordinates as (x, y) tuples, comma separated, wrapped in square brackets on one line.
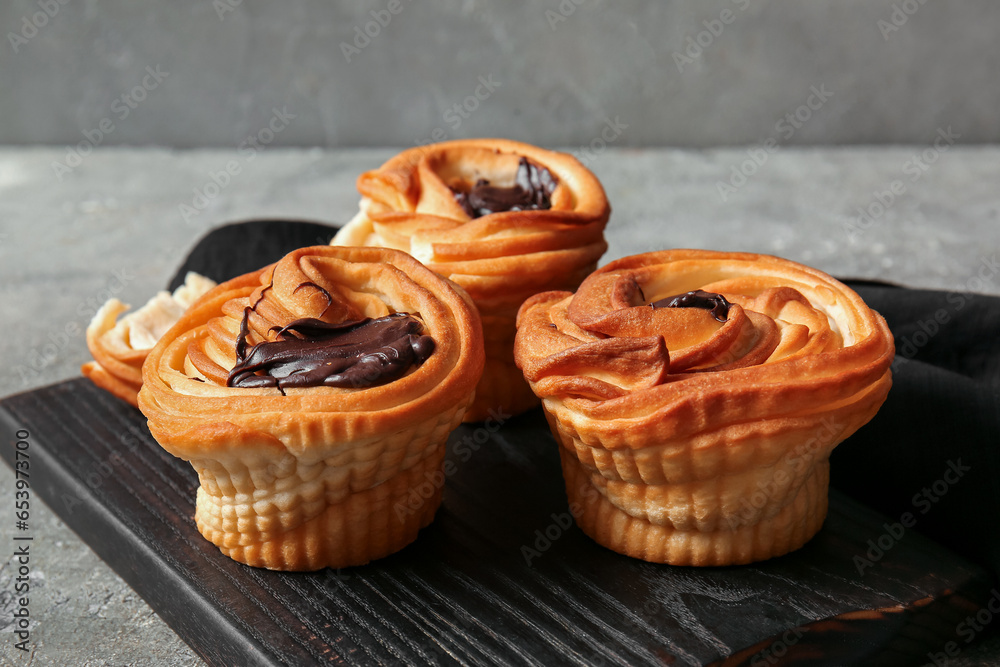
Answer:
[(464, 593)]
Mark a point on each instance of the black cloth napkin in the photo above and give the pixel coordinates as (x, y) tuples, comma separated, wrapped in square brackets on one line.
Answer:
[(933, 450)]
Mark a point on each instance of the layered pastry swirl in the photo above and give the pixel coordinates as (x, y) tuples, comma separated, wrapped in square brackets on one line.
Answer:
[(311, 397), (119, 346), (503, 219), (696, 397)]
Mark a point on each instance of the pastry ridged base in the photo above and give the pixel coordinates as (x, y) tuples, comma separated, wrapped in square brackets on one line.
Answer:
[(772, 531), (281, 512), (502, 390), (367, 525)]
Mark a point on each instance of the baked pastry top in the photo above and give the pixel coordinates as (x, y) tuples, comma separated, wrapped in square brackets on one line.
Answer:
[(503, 219), (309, 396), (119, 346), (681, 382)]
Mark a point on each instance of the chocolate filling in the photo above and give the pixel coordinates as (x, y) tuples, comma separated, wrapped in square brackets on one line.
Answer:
[(532, 189), (311, 353), (716, 303)]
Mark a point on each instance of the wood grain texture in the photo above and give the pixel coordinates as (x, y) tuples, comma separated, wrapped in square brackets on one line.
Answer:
[(464, 593)]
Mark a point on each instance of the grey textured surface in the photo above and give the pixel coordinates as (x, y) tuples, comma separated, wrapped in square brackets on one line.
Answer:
[(563, 67), (113, 227)]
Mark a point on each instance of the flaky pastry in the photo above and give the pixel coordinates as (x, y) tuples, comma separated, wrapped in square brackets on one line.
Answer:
[(503, 219), (119, 346), (696, 397), (311, 397)]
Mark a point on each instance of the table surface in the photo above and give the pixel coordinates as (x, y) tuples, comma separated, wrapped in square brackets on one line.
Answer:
[(120, 223)]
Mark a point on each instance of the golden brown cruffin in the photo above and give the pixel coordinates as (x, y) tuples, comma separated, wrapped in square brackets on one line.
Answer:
[(301, 478), (692, 436), (500, 258), (119, 346)]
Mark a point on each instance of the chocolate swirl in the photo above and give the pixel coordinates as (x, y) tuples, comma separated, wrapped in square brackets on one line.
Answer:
[(311, 353), (710, 301), (532, 191)]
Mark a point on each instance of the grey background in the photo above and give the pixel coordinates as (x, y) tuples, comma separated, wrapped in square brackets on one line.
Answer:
[(110, 223), (559, 80)]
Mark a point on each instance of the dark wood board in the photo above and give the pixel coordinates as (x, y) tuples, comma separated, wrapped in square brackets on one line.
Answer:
[(464, 593)]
